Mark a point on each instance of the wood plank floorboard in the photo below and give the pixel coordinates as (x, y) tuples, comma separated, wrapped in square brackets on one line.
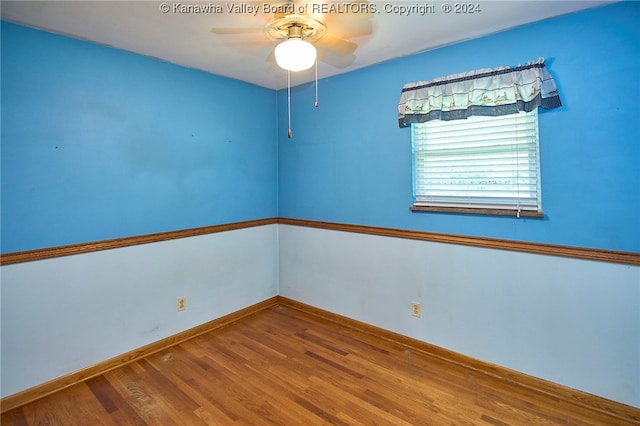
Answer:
[(286, 367)]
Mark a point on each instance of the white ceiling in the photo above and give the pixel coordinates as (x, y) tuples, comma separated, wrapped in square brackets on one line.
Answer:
[(186, 38)]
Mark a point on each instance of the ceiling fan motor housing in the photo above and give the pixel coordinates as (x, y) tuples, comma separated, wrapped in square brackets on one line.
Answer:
[(296, 26)]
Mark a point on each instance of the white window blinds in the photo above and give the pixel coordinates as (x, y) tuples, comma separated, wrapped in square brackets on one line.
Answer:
[(479, 162)]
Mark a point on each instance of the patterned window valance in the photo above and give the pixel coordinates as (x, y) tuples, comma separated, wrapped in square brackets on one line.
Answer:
[(498, 91)]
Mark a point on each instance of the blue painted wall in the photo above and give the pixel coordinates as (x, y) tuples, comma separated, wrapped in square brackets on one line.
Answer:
[(99, 143), (349, 162)]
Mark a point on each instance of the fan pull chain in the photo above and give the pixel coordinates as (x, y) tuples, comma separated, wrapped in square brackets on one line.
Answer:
[(289, 132), (316, 104)]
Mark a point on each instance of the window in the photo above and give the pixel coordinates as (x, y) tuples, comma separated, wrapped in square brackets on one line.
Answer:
[(486, 165)]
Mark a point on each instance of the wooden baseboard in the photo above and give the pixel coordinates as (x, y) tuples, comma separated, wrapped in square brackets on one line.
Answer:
[(55, 385), (617, 411)]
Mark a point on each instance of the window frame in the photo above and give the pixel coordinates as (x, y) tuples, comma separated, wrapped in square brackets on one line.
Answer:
[(479, 208)]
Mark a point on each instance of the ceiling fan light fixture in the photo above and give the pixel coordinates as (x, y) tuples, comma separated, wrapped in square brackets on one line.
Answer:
[(295, 54)]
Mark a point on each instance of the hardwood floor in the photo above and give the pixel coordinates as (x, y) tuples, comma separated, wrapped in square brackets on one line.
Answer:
[(283, 366)]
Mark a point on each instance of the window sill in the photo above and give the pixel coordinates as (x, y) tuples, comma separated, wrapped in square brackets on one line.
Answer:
[(477, 211)]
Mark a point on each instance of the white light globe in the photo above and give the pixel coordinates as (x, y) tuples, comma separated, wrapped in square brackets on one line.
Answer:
[(295, 54)]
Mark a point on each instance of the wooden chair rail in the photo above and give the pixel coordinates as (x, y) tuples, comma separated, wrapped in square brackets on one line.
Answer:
[(491, 243)]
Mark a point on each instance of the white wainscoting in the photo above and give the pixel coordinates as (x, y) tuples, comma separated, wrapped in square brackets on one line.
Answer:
[(63, 314), (573, 322)]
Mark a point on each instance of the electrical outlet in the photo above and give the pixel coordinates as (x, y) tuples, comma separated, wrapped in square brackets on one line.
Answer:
[(415, 309), (182, 303)]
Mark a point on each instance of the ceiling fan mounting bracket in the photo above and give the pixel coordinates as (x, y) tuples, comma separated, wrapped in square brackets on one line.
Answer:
[(299, 26)]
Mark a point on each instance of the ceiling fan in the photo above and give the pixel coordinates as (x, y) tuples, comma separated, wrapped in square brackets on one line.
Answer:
[(304, 28)]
